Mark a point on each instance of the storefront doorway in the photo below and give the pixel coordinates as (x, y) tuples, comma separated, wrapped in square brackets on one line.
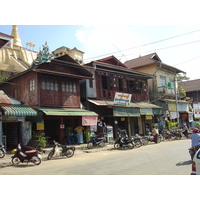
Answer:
[(12, 134)]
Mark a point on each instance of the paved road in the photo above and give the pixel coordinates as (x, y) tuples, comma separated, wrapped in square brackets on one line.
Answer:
[(166, 158)]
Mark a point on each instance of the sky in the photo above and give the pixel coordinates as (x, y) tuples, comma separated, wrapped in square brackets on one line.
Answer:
[(111, 26), (176, 45)]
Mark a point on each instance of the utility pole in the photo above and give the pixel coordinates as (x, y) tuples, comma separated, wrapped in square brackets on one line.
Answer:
[(176, 94)]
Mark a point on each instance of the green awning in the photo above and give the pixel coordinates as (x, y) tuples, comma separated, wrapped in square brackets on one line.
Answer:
[(19, 110), (66, 111), (126, 112)]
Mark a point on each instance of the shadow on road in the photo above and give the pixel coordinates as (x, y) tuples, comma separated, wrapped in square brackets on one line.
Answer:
[(188, 162)]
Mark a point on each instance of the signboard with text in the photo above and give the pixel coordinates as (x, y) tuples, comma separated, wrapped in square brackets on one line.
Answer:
[(122, 98)]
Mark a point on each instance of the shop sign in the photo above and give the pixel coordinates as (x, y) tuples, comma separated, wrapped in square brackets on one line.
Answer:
[(20, 119), (148, 117), (89, 120), (190, 117), (62, 126), (40, 125), (144, 111), (9, 118), (172, 107), (196, 110), (122, 98)]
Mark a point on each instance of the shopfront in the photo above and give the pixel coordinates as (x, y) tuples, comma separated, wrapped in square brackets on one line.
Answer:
[(59, 123), (132, 117), (16, 124)]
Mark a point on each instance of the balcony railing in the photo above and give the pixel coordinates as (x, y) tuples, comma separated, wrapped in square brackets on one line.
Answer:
[(166, 90)]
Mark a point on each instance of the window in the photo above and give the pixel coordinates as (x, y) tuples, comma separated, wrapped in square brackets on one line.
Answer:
[(70, 87), (105, 82), (163, 81), (32, 84), (56, 85), (63, 86), (43, 84), (48, 84), (120, 84), (52, 85), (91, 83), (74, 87)]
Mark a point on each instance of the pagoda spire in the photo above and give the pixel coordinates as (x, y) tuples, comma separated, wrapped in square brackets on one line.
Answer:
[(15, 34), (44, 55)]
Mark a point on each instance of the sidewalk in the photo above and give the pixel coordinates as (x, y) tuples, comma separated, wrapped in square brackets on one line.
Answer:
[(80, 149)]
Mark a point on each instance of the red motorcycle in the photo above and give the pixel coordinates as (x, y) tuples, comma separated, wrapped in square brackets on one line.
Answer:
[(193, 150)]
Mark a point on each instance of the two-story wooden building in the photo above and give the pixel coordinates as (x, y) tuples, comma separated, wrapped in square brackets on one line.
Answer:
[(112, 77), (52, 89)]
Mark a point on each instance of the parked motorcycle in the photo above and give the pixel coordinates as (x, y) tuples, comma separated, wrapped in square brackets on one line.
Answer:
[(167, 135), (2, 151), (25, 157), (177, 135), (123, 142), (151, 138), (138, 141), (186, 134), (193, 150), (65, 150), (94, 142)]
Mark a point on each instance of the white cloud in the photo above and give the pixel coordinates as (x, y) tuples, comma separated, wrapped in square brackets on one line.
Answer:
[(101, 40)]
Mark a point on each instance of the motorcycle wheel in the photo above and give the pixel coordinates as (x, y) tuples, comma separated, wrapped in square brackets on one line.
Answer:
[(36, 160), (116, 145), (50, 155), (159, 140), (145, 142), (2, 153), (138, 144), (15, 160), (69, 153), (130, 145), (178, 137), (102, 144), (90, 145)]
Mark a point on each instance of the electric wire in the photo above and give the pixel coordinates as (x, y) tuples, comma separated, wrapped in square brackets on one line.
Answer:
[(147, 45), (167, 47)]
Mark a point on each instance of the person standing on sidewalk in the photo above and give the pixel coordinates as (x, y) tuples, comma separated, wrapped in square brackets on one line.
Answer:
[(155, 134), (79, 131)]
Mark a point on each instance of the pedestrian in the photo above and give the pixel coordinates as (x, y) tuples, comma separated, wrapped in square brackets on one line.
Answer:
[(79, 131), (185, 130), (195, 137), (155, 134), (87, 134)]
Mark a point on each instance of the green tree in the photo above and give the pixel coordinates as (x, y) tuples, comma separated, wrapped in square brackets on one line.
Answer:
[(180, 79)]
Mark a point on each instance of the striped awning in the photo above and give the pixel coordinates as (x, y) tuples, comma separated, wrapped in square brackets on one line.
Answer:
[(18, 110)]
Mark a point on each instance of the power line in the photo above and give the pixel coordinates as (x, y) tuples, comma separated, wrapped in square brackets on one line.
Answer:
[(168, 47), (187, 61), (146, 44)]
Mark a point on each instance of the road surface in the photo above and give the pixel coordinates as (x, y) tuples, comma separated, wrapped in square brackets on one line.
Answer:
[(165, 158)]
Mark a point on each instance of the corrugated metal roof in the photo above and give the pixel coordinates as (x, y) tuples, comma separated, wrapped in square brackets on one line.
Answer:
[(19, 110), (132, 105), (66, 111), (4, 99)]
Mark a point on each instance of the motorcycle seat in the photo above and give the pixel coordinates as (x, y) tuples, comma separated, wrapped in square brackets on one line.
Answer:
[(30, 152)]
